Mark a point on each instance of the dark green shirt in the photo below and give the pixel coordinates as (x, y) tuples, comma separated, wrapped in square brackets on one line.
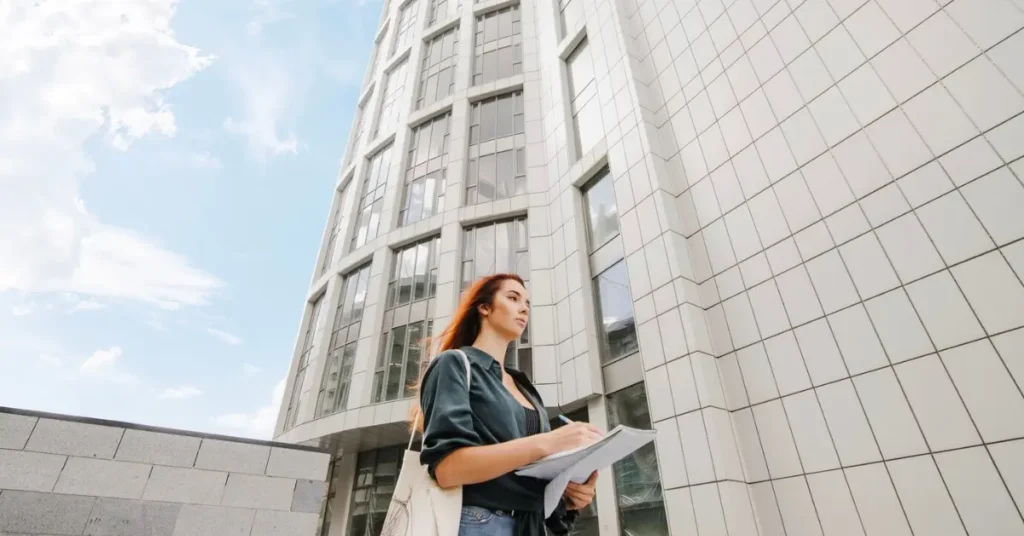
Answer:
[(484, 414)]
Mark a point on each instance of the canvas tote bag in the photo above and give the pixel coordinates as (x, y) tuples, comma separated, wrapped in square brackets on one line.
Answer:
[(419, 507)]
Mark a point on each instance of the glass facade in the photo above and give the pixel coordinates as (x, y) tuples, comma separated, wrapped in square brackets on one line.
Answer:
[(637, 480), (376, 474), (426, 175), (408, 319), (437, 73), (496, 168), (341, 354), (495, 248), (405, 30), (497, 49), (442, 10), (371, 202), (356, 134), (584, 106), (309, 342), (391, 100), (344, 199)]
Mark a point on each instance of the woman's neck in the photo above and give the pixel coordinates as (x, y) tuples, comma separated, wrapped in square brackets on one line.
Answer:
[(495, 346)]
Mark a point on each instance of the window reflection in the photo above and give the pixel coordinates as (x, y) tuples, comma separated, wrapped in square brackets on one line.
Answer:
[(498, 46), (406, 27), (602, 211), (339, 222), (426, 176), (615, 310), (441, 10), (376, 475), (586, 111), (391, 100), (308, 346), (372, 200), (437, 78), (497, 149), (341, 353), (637, 480)]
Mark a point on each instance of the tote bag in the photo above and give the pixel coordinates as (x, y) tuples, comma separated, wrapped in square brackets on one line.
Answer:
[(419, 507)]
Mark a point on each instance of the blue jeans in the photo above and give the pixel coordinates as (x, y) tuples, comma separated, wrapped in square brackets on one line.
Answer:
[(477, 521)]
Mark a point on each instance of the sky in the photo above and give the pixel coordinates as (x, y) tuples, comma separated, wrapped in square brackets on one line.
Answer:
[(166, 170)]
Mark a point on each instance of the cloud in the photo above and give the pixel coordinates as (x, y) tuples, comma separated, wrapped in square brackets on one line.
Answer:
[(179, 393), (204, 160), (87, 305), (23, 309), (103, 364), (250, 370), (258, 424), (228, 338), (71, 72)]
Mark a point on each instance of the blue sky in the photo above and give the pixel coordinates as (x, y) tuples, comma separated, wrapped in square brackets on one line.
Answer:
[(165, 174)]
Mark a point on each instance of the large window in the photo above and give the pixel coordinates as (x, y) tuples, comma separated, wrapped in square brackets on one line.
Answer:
[(637, 481), (586, 111), (376, 474), (356, 134), (371, 201), (571, 14), (498, 49), (391, 100), (338, 223), (309, 341), (437, 74), (341, 354), (426, 176), (441, 10), (408, 319), (494, 248), (405, 31), (611, 286), (497, 149)]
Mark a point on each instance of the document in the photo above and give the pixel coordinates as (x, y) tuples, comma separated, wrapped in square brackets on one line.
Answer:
[(577, 464)]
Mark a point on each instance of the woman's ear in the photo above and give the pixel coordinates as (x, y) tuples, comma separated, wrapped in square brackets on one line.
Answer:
[(484, 310)]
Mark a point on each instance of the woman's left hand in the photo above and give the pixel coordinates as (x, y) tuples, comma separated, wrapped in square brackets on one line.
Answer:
[(578, 496)]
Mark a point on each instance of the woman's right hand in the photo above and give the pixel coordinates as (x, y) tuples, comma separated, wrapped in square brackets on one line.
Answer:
[(568, 437)]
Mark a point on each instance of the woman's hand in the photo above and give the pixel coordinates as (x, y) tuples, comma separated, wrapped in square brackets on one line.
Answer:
[(579, 496), (568, 437)]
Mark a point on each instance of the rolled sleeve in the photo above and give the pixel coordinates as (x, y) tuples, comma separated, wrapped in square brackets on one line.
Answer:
[(447, 416)]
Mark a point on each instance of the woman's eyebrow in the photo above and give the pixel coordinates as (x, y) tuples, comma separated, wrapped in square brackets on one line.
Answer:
[(516, 292)]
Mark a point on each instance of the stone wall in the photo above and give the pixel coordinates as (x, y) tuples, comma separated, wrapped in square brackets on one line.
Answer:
[(69, 476)]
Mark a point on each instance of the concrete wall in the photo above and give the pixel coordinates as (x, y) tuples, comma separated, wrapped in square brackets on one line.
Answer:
[(82, 477)]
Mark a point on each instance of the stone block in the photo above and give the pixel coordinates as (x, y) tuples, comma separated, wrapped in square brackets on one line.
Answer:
[(309, 495), (270, 523), (232, 457), (177, 484), (253, 491), (43, 513), (74, 439), (202, 520), (303, 464), (103, 478), (156, 448), (29, 471), (14, 430), (118, 517), (298, 464)]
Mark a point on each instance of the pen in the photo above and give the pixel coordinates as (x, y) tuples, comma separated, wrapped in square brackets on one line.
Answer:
[(565, 419)]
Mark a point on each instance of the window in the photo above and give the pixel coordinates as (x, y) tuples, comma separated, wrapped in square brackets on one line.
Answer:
[(586, 111), (571, 15), (498, 49), (494, 248), (441, 10), (408, 319), (637, 481), (308, 346), (611, 286), (338, 223), (372, 200), (341, 353), (586, 524), (426, 176), (404, 32), (374, 58), (391, 100), (355, 135), (437, 78), (332, 490), (497, 149), (376, 474)]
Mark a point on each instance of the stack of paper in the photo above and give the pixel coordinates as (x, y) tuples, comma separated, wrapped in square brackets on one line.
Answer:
[(576, 465)]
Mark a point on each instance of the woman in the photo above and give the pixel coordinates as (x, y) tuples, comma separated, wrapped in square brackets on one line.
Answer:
[(476, 436)]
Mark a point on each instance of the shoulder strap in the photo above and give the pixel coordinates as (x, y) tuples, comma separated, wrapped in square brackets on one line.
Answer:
[(419, 416)]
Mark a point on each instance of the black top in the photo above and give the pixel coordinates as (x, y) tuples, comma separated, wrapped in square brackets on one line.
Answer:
[(456, 417), (532, 421)]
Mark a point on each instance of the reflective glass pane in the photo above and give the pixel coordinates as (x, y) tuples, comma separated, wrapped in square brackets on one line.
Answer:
[(637, 481), (615, 307), (602, 212), (422, 254), (506, 171)]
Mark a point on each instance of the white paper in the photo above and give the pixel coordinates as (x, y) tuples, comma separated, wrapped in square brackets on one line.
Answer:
[(576, 465)]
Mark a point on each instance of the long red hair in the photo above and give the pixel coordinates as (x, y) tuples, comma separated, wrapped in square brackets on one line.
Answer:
[(463, 328)]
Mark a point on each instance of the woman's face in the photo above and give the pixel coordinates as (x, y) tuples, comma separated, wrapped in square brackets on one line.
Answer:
[(510, 310)]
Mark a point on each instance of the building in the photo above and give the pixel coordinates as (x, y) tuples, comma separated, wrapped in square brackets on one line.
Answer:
[(784, 233)]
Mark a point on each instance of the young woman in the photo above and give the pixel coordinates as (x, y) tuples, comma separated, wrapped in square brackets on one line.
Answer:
[(475, 436)]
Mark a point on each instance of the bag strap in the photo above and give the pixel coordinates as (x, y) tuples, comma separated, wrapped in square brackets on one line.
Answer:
[(419, 416)]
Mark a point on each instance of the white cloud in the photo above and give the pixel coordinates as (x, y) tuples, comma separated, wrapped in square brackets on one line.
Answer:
[(250, 370), (226, 337), (258, 424), (179, 393), (87, 305), (103, 364), (70, 71)]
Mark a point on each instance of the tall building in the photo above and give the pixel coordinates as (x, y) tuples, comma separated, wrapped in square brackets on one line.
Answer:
[(784, 233)]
